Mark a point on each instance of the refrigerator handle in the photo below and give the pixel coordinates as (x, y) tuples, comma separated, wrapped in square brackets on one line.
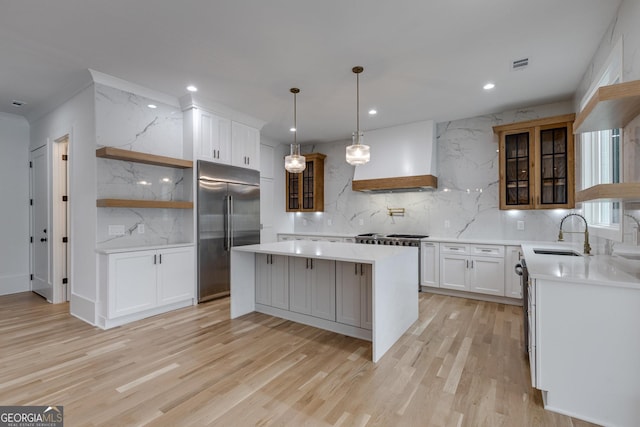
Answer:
[(230, 214), (226, 223)]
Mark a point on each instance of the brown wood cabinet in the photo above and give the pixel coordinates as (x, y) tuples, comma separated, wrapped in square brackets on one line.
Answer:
[(305, 190), (537, 168)]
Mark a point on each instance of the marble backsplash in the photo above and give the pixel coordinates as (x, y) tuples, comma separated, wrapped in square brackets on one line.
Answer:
[(465, 205), (125, 121)]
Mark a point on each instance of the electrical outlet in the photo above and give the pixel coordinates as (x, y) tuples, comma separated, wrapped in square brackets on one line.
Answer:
[(329, 222), (520, 225), (447, 223), (140, 228), (116, 230)]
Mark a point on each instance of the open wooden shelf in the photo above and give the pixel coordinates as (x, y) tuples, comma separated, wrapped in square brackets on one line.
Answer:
[(621, 191), (610, 107), (138, 157), (133, 203)]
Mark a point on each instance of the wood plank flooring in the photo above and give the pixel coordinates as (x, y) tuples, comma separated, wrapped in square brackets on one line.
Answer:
[(460, 364)]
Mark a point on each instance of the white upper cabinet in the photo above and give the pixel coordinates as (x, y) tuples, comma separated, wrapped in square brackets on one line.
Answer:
[(245, 142), (219, 134), (213, 137)]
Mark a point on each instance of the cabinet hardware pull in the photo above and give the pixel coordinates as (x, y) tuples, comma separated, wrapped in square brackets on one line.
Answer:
[(154, 258), (362, 269), (519, 255), (312, 263), (471, 263), (160, 257), (307, 267), (355, 268), (486, 250)]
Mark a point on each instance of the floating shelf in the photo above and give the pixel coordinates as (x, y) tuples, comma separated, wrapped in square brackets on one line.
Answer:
[(138, 157), (610, 107), (154, 204), (622, 191)]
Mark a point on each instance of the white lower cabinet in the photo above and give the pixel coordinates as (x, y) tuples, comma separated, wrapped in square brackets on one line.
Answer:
[(430, 264), (512, 286), (353, 294), (134, 282), (312, 287), (472, 268), (272, 280)]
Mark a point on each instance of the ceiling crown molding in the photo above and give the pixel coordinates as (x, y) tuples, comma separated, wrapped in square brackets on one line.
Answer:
[(194, 100)]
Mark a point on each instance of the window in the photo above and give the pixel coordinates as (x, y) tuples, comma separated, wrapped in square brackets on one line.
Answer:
[(601, 158)]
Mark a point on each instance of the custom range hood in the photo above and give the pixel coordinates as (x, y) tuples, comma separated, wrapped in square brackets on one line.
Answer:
[(403, 158)]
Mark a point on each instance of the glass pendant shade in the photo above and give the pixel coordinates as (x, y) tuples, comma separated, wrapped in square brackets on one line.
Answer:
[(358, 153), (294, 162)]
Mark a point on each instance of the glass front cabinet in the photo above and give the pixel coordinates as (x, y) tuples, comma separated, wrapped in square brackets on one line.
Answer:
[(537, 163), (305, 190)]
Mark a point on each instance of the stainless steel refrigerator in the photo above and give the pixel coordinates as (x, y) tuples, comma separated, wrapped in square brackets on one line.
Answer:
[(228, 215)]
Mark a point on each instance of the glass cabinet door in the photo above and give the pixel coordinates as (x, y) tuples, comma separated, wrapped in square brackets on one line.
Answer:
[(307, 186), (293, 181), (517, 174), (553, 163)]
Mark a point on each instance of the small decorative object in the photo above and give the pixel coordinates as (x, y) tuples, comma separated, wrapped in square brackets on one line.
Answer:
[(294, 162)]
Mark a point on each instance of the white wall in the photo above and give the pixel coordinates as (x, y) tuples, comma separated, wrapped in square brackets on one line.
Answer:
[(273, 216), (76, 117), (14, 193)]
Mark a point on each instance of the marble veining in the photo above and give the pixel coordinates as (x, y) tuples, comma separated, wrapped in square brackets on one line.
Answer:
[(124, 120), (465, 205)]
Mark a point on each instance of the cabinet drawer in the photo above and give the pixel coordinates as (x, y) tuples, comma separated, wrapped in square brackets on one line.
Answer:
[(454, 248), (487, 250)]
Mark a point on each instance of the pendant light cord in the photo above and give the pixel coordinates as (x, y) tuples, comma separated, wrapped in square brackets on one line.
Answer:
[(358, 107)]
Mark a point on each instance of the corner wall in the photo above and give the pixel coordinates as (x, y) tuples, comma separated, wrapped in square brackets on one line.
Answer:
[(14, 193)]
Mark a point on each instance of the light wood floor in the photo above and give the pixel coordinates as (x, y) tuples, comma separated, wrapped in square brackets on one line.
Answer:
[(461, 364)]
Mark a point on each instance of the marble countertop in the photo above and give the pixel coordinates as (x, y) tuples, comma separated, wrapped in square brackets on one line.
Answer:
[(605, 270), (504, 242), (107, 251), (330, 250)]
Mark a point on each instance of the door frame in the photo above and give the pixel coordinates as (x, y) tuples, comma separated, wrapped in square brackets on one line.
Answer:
[(61, 252), (32, 230)]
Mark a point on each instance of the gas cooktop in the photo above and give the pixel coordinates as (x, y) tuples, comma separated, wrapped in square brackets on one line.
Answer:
[(393, 236)]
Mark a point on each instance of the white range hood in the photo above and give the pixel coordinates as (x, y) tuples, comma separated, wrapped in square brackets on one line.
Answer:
[(403, 158)]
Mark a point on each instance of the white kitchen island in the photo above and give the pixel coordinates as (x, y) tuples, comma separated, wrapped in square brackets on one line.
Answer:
[(388, 276)]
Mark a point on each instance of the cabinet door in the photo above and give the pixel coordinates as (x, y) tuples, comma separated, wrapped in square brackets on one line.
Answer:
[(299, 285), (513, 288), (246, 146), (263, 279), (517, 152), (279, 281), (348, 293), (453, 271), (214, 138), (366, 297), (132, 282), (429, 265), (486, 275), (176, 275), (323, 289)]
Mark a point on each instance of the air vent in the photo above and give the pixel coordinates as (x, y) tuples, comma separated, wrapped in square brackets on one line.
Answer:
[(17, 103), (520, 64)]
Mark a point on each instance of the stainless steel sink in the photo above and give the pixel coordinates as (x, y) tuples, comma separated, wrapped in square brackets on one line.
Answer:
[(563, 252)]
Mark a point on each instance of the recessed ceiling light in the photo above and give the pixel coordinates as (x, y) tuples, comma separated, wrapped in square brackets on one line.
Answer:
[(152, 106), (373, 112), (488, 86), (192, 88), (292, 129), (17, 103)]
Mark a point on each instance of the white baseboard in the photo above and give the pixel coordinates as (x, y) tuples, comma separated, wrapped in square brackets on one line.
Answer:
[(472, 295)]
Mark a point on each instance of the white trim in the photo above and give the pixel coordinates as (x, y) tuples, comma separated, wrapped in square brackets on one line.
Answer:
[(191, 100), (126, 86)]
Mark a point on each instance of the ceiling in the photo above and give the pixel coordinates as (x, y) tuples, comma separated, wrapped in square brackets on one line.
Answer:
[(422, 59)]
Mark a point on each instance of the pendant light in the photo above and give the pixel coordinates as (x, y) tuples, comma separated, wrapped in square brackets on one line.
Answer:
[(357, 152), (294, 162)]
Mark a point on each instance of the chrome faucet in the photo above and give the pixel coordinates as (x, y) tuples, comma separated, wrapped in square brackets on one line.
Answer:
[(587, 247)]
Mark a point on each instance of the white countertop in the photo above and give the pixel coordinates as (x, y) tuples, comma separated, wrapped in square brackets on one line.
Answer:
[(318, 234), (504, 242), (351, 252), (603, 270), (108, 251)]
